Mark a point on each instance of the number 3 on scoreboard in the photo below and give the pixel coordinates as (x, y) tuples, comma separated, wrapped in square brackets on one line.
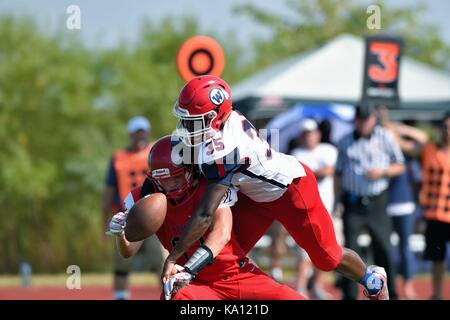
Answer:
[(387, 54)]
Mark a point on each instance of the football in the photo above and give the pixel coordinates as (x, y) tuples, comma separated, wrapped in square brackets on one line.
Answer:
[(146, 217)]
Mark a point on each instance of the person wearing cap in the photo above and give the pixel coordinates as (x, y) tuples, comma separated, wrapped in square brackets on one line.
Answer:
[(435, 200), (402, 199), (367, 158), (321, 158), (127, 170)]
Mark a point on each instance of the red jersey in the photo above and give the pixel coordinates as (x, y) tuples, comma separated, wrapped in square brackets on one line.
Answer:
[(226, 263)]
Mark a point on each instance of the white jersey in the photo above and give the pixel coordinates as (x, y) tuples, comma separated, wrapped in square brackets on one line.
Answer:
[(237, 156), (321, 156)]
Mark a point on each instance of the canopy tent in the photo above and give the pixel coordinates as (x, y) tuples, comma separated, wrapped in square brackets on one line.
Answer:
[(287, 126), (334, 73)]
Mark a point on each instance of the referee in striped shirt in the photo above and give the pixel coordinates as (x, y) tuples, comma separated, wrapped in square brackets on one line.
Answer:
[(367, 158)]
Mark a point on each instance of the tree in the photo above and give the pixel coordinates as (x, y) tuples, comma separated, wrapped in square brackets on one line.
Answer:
[(312, 23), (63, 110)]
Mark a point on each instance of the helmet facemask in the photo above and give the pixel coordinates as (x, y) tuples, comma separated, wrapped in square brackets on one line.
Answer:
[(195, 129)]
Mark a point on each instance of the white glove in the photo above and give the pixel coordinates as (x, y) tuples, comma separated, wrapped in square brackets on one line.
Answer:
[(117, 224), (176, 282)]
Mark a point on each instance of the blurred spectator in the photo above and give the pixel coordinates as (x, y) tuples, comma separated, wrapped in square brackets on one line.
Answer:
[(325, 130), (367, 158), (435, 199), (278, 249), (402, 204), (321, 158), (278, 234), (127, 170)]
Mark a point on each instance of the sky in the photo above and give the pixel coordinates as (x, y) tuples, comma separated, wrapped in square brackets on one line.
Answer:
[(105, 22)]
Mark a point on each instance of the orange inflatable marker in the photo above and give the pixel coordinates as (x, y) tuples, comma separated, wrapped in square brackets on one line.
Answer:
[(200, 55)]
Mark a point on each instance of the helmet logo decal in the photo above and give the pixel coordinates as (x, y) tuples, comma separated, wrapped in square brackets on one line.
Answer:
[(217, 96), (158, 173)]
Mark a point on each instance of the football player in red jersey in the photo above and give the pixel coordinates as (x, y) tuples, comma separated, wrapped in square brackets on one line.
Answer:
[(214, 268), (274, 186)]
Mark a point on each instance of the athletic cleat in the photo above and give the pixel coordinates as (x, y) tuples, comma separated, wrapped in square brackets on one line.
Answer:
[(383, 294)]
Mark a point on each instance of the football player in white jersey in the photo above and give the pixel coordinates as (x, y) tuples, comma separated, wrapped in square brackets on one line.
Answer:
[(272, 185)]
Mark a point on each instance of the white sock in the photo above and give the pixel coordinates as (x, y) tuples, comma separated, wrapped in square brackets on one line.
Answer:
[(121, 295)]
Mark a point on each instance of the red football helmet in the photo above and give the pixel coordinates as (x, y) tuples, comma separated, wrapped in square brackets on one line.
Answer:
[(203, 105), (162, 165)]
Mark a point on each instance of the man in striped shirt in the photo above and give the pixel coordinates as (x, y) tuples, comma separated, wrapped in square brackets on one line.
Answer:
[(367, 159)]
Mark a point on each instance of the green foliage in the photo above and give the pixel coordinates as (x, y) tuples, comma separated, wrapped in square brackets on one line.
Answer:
[(63, 110), (53, 141), (311, 23)]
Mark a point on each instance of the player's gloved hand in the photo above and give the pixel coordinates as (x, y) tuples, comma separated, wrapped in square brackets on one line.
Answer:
[(176, 282), (117, 224)]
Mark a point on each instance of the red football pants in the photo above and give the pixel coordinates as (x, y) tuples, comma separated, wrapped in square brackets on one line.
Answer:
[(301, 211), (249, 284)]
